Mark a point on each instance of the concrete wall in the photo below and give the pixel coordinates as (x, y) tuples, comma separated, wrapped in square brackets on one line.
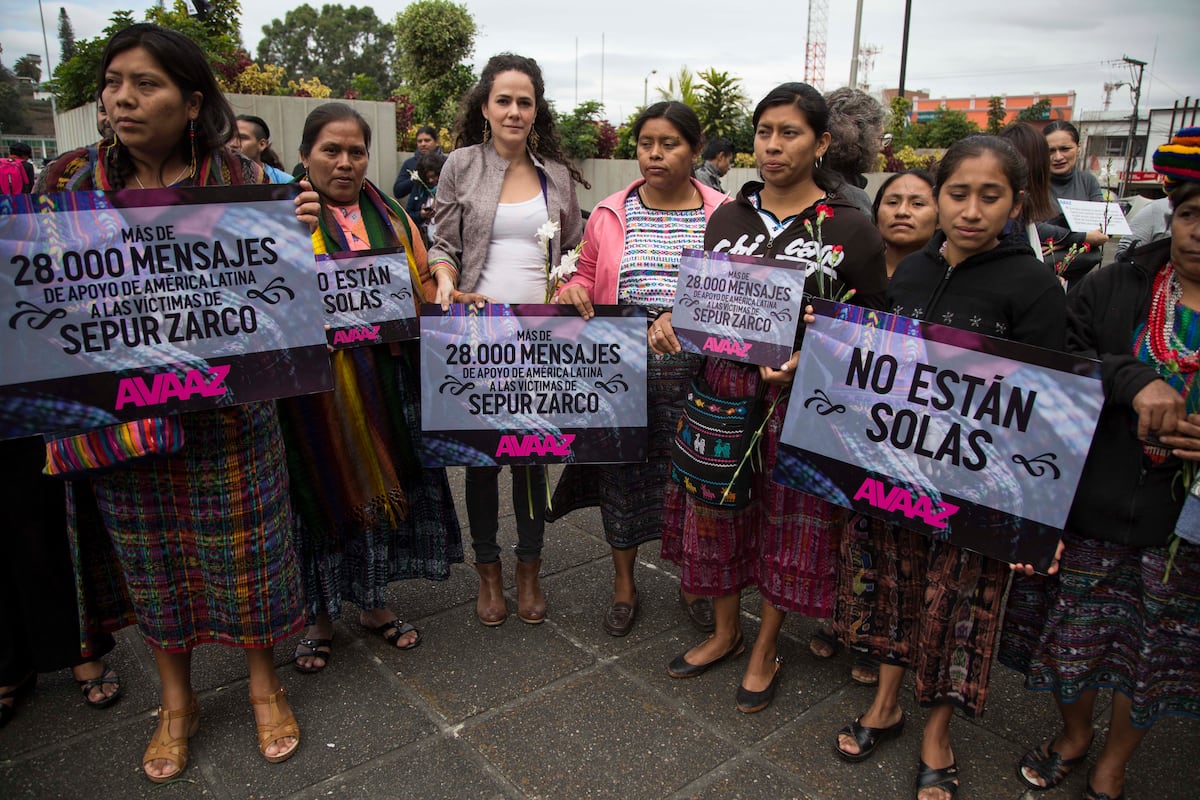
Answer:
[(284, 116)]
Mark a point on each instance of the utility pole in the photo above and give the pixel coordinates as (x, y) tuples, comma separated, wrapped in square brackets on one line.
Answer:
[(1137, 96), (854, 50), (904, 46)]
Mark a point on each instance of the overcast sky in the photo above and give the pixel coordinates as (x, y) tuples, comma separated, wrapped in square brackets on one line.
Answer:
[(605, 50)]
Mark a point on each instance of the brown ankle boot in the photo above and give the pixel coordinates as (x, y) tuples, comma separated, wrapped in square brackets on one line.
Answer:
[(531, 603), (490, 606)]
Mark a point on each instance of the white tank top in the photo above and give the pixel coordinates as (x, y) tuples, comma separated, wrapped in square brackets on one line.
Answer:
[(515, 269)]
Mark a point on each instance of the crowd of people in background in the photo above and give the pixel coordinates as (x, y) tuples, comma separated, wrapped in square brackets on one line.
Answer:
[(275, 514)]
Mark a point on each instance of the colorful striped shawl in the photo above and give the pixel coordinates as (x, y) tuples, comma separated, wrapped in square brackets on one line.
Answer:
[(347, 448)]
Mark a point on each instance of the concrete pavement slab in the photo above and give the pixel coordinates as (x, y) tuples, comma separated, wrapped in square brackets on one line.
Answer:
[(597, 737), (466, 668)]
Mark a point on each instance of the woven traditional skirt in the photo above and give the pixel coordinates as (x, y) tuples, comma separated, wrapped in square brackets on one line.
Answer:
[(1108, 620), (910, 601), (345, 553), (784, 542), (201, 539), (630, 496)]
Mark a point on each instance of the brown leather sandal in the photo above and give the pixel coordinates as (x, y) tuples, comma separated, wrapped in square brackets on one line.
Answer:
[(163, 747), (277, 727)]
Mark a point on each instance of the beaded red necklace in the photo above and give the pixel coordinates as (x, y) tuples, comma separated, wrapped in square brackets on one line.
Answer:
[(1165, 348)]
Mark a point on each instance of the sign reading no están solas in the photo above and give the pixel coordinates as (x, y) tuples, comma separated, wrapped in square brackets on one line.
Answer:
[(963, 437), (130, 304)]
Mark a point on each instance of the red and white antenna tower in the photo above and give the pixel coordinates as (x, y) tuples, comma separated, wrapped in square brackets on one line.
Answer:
[(814, 49)]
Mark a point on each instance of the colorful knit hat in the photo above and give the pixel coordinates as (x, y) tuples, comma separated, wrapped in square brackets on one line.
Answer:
[(1179, 159)]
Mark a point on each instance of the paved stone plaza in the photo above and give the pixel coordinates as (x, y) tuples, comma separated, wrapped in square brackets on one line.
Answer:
[(559, 710)]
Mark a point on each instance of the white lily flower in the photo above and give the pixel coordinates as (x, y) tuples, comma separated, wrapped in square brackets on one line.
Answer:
[(547, 232), (569, 264), (412, 174)]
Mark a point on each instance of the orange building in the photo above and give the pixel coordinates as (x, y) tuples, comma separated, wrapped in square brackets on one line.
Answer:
[(1062, 105)]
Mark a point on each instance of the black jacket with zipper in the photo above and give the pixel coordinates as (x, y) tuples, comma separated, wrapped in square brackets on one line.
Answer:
[(850, 246), (1123, 496), (1006, 292)]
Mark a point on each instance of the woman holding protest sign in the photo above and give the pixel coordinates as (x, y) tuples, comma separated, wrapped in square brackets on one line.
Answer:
[(906, 214), (367, 512), (198, 548), (630, 255), (1124, 610), (783, 541), (506, 185), (930, 604)]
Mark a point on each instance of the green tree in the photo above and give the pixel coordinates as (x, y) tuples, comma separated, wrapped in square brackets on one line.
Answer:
[(683, 88), (743, 136), (1038, 112), (947, 127), (334, 44), (580, 130), (29, 66), (996, 115), (898, 120), (720, 104), (626, 146), (12, 110), (66, 36), (434, 39), (218, 35)]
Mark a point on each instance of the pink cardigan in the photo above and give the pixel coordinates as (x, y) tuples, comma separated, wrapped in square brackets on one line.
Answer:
[(604, 242)]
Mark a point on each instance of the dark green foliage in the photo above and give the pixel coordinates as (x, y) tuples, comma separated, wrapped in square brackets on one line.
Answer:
[(336, 44)]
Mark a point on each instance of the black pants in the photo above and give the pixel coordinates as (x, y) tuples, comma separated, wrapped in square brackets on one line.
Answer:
[(483, 511), (39, 617)]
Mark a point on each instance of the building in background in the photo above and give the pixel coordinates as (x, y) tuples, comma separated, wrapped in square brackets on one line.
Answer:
[(1062, 105), (1104, 138)]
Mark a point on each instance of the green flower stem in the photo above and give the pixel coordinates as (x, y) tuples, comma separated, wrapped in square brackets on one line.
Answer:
[(753, 445), (1172, 550)]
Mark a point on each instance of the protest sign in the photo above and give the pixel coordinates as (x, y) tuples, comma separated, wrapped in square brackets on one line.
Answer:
[(963, 437), (1089, 215), (740, 308), (128, 304), (532, 384), (367, 296)]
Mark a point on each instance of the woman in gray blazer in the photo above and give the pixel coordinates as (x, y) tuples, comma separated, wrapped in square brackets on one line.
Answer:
[(506, 178)]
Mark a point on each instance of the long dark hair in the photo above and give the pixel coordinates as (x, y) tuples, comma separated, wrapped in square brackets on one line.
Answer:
[(679, 115), (811, 104), (188, 68), (1031, 145), (975, 145), (468, 129)]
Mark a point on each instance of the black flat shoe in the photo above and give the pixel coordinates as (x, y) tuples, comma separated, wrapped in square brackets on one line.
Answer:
[(749, 702), (866, 738), (700, 612), (7, 712), (619, 619), (682, 668)]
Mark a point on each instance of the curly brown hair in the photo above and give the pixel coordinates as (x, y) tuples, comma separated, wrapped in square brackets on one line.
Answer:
[(468, 129)]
